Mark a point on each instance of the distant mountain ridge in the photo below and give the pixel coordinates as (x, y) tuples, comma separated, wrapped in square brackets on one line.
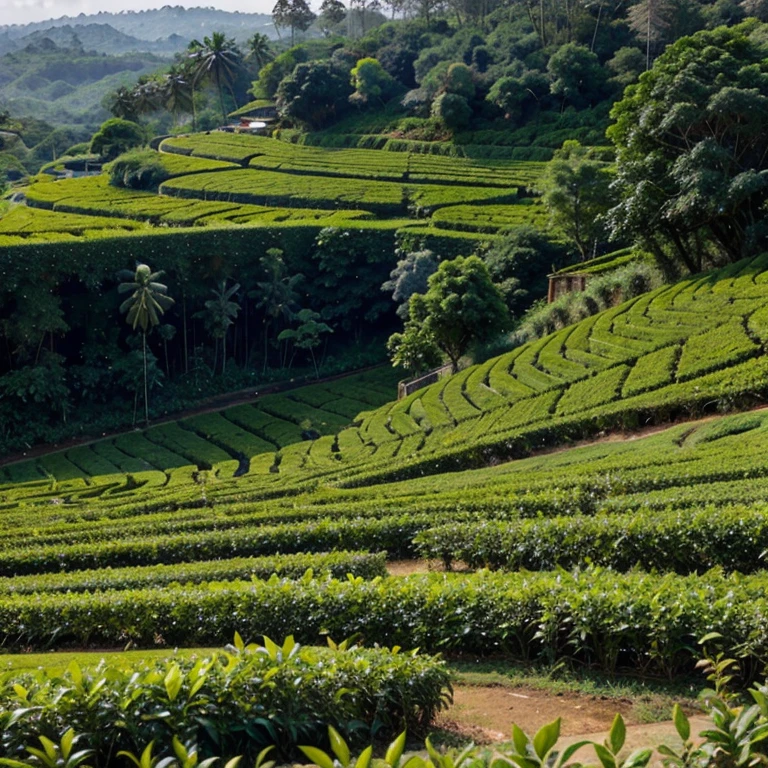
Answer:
[(143, 30), (102, 38)]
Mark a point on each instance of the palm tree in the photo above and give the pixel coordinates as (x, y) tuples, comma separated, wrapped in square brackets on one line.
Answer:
[(122, 103), (176, 92), (259, 51), (277, 294), (188, 66), (147, 302), (147, 95), (220, 312), (218, 60)]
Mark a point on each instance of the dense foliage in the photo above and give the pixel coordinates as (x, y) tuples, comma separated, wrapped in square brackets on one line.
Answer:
[(231, 702), (691, 149)]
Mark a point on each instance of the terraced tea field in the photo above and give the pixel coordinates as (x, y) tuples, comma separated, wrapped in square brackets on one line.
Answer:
[(222, 179), (617, 553)]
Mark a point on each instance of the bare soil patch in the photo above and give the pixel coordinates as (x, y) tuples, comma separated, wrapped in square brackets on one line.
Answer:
[(410, 567), (486, 713)]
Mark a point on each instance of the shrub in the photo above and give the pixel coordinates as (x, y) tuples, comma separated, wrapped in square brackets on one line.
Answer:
[(232, 702), (115, 137), (137, 169)]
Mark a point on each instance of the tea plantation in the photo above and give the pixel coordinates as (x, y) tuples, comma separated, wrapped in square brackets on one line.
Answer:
[(617, 553), (229, 179)]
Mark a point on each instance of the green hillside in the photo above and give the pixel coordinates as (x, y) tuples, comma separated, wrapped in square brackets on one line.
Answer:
[(240, 179), (681, 350), (587, 495), (661, 511), (65, 84)]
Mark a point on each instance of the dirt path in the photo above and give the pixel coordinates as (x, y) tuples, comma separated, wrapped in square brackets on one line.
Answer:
[(490, 711), (485, 714)]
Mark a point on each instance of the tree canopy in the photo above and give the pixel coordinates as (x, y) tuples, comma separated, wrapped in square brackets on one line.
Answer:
[(315, 93), (692, 149), (576, 189), (115, 137), (461, 307)]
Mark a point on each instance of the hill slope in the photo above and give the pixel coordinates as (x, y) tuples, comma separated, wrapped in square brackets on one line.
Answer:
[(680, 350), (122, 524)]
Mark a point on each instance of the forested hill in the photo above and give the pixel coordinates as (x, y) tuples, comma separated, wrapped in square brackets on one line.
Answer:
[(102, 38), (66, 84), (152, 25)]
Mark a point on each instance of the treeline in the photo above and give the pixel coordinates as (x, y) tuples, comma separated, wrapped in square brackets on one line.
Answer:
[(249, 306)]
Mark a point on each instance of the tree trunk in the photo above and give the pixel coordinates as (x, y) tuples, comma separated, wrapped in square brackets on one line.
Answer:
[(649, 9), (184, 321), (314, 362), (597, 25), (266, 345), (221, 104), (146, 387), (247, 354)]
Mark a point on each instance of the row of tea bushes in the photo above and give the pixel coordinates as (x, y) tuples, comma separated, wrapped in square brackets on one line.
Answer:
[(684, 541), (229, 702), (335, 564), (648, 622)]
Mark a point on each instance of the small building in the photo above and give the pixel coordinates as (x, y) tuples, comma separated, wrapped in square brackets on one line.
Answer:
[(254, 117), (560, 284), (574, 278)]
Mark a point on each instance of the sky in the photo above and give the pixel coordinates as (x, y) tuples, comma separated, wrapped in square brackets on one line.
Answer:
[(25, 11)]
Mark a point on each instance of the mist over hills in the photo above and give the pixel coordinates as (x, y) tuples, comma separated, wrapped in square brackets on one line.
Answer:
[(154, 31), (102, 38), (59, 70)]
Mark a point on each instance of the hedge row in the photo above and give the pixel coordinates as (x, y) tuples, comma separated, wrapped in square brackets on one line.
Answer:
[(392, 534), (285, 189), (745, 383), (336, 564), (230, 702), (270, 154), (647, 621), (687, 541)]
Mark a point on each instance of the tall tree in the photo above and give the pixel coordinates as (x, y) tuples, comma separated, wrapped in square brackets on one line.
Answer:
[(176, 93), (363, 9), (148, 96), (315, 94), (122, 103), (276, 295), (332, 13), (144, 307), (576, 189), (462, 306), (295, 14), (218, 60), (411, 275), (647, 20), (577, 75), (307, 334), (259, 50), (692, 149), (657, 22), (219, 314)]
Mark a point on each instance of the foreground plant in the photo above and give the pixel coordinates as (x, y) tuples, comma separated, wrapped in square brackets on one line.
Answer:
[(233, 702)]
